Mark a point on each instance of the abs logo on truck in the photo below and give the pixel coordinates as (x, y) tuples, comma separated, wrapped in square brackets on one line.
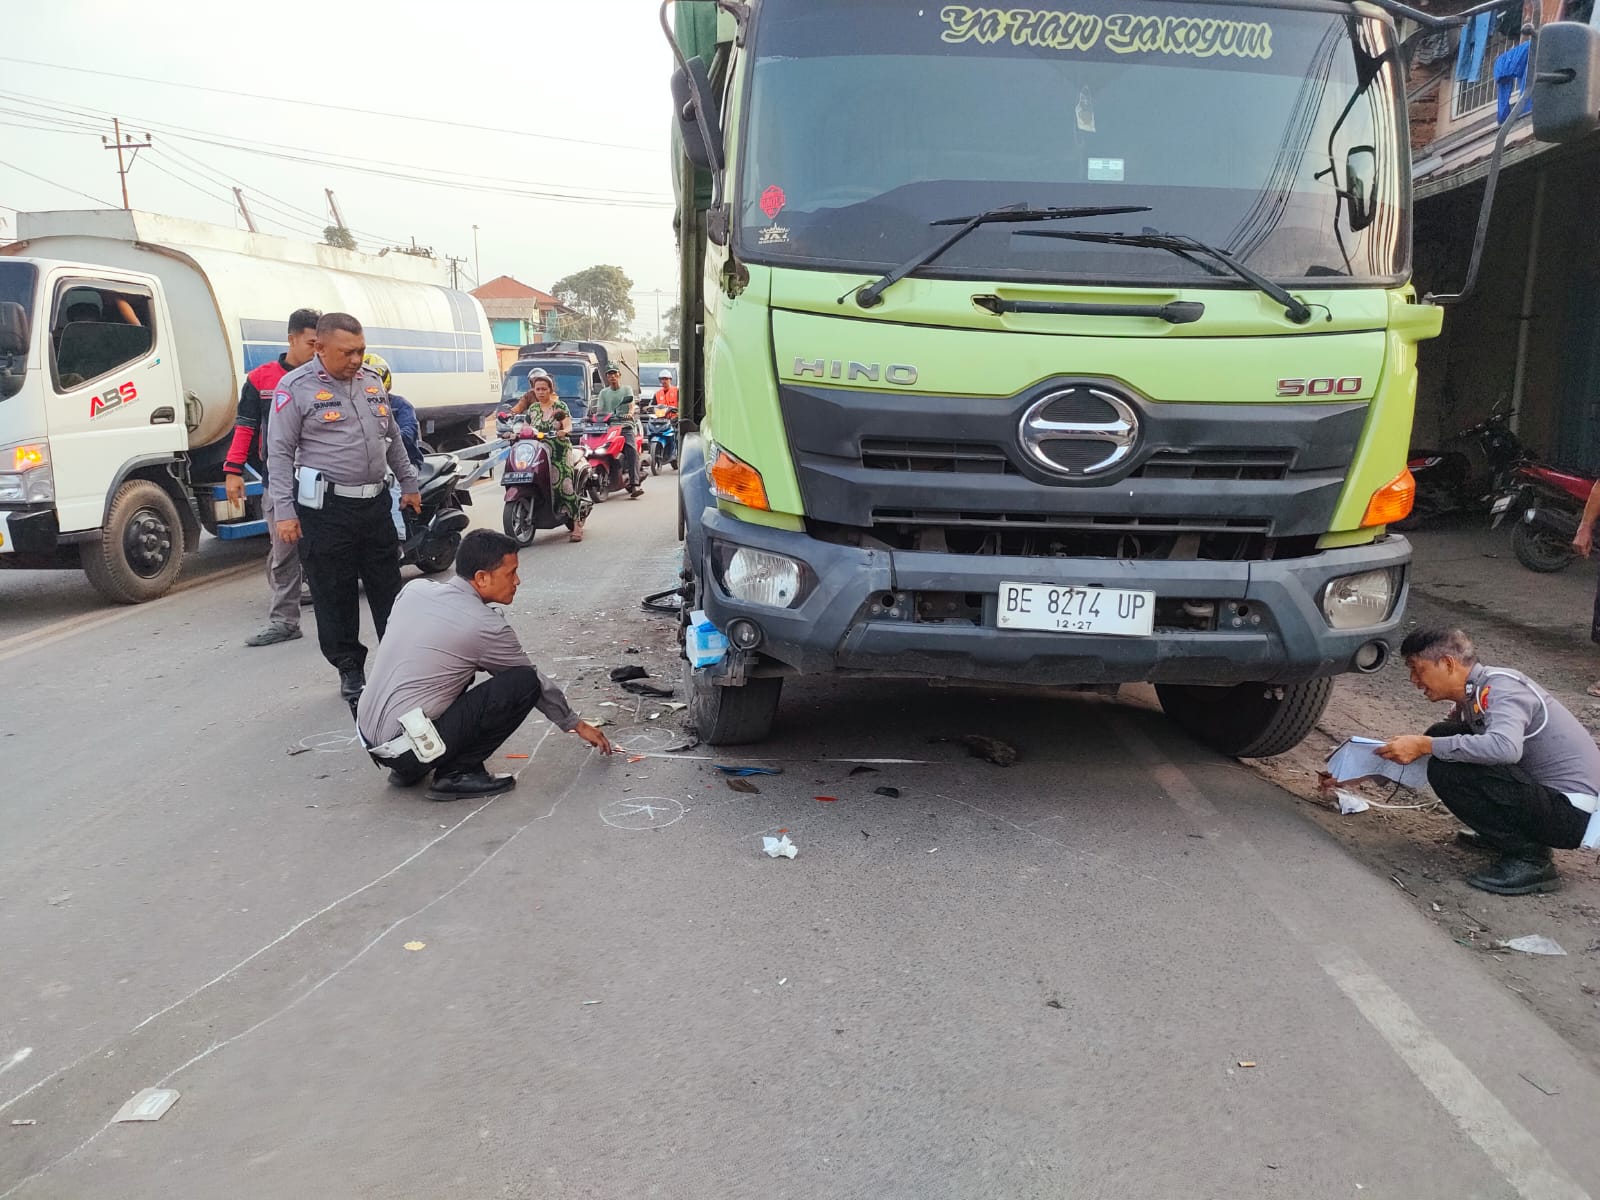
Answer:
[(100, 405), (1347, 385)]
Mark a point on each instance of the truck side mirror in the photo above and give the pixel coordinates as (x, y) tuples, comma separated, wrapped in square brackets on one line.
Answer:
[(13, 329), (1360, 181), (699, 124), (1566, 82)]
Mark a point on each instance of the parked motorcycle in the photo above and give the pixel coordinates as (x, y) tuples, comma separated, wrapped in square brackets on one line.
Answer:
[(434, 534), (602, 443), (661, 438), (529, 481), (1548, 504), (1448, 481)]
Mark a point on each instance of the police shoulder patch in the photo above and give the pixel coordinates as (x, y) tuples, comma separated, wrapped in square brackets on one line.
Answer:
[(281, 398)]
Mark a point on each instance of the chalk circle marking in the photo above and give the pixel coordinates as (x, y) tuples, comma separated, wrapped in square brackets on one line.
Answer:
[(641, 812)]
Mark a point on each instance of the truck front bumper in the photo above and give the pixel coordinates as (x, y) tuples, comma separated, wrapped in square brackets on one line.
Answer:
[(863, 614), (30, 539)]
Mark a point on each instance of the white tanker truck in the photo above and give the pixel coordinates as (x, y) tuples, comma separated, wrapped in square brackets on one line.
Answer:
[(125, 338)]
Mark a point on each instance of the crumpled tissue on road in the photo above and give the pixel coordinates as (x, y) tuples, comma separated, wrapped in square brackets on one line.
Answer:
[(779, 847)]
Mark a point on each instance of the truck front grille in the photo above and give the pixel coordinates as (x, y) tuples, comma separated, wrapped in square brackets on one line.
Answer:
[(988, 458)]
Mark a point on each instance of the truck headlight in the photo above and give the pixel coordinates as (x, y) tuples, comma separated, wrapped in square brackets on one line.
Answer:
[(761, 577), (1359, 601), (25, 474)]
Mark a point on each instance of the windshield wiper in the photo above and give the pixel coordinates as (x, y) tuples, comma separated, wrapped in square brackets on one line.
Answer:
[(871, 295), (1182, 244)]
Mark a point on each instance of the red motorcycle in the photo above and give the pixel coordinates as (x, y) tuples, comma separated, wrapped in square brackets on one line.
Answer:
[(1548, 504), (528, 478), (603, 442)]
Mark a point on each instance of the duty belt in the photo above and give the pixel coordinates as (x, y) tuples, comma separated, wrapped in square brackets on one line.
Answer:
[(358, 491)]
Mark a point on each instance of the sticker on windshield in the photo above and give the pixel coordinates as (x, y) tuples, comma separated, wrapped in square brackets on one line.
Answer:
[(1120, 33), (1106, 168), (774, 235), (772, 201), (1085, 110)]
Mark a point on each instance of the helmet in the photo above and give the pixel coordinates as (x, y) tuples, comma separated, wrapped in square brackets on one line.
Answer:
[(375, 361), (665, 375), (539, 373)]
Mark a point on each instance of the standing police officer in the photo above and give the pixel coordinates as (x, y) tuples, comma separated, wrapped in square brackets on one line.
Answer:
[(284, 574), (331, 443)]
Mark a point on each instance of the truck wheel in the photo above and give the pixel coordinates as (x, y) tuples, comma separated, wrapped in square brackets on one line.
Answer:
[(731, 716), (1539, 550), (140, 551), (1250, 720)]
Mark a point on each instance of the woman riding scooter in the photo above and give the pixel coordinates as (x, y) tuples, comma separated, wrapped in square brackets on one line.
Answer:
[(550, 417)]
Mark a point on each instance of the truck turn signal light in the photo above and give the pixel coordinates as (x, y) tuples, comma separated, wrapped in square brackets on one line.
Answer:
[(734, 479), (1392, 502)]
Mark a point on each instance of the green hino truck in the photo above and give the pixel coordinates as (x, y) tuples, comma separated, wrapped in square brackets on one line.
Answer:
[(1057, 346)]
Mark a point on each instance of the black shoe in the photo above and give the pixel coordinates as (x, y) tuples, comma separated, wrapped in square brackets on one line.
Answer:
[(402, 779), (465, 785), (1518, 877), (351, 682), (1472, 839), (305, 597)]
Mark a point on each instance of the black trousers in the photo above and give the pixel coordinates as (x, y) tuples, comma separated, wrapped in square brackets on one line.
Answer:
[(476, 725), (1510, 810), (1594, 628), (346, 545)]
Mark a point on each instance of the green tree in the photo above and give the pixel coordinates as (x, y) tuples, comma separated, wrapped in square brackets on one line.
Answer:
[(338, 235), (600, 302)]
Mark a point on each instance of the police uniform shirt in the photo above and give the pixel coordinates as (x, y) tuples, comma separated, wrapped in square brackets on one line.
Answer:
[(440, 635), (343, 428), (1514, 720)]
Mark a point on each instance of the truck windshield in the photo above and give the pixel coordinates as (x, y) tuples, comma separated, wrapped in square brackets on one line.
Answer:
[(1246, 126), (17, 283)]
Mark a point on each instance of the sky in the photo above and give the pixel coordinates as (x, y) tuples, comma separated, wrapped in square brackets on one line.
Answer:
[(574, 94)]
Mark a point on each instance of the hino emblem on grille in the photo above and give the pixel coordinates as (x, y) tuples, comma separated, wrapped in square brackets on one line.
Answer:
[(1080, 431)]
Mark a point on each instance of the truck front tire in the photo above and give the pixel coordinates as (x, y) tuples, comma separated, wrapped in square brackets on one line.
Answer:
[(731, 716), (140, 551), (1249, 720)]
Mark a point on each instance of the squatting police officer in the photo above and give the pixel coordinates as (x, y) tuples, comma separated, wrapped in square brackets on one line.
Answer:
[(330, 444)]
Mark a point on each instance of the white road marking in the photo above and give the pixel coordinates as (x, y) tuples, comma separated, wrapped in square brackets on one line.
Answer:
[(21, 1056), (1514, 1151)]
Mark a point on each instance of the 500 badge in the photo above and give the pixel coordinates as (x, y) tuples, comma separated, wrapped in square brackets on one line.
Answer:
[(116, 397)]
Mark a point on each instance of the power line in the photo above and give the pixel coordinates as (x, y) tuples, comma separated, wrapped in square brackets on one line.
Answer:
[(369, 112), (54, 184)]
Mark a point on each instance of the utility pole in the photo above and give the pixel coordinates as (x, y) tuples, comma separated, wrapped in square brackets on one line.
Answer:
[(333, 207), (124, 167), (455, 263), (249, 223), (477, 263)]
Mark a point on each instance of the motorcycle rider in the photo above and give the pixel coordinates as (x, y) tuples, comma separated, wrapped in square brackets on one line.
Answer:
[(666, 393), (1583, 543), (550, 416), (618, 400)]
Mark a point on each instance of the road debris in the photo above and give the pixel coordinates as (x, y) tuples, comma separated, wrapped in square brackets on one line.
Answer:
[(149, 1105), (1001, 754), (631, 671), (519, 756), (1537, 1084), (828, 799), (1246, 1063), (742, 785), (640, 688), (1054, 1003), (743, 771), (935, 850), (587, 1003), (1535, 943), (892, 792), (415, 945), (29, 1121), (863, 769), (779, 847)]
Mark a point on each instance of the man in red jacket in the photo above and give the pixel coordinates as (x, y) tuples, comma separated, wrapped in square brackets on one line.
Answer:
[(284, 574)]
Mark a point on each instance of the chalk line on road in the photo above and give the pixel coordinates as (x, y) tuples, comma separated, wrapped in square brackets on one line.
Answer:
[(1476, 1111), (311, 991)]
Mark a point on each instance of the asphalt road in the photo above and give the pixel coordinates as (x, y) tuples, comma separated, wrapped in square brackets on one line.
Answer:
[(1035, 981)]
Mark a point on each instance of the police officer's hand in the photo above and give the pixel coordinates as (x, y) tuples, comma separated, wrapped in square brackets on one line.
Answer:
[(1584, 542), (413, 501), (1406, 748), (289, 532), (235, 486), (594, 737)]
